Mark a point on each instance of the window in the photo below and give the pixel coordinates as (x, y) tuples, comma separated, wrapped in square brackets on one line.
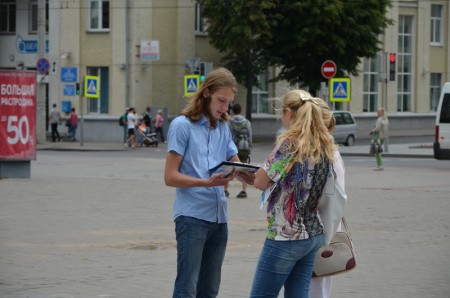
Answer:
[(370, 84), (404, 63), (200, 21), (101, 104), (435, 90), (347, 118), (260, 95), (99, 15), (7, 16), (445, 109), (34, 16), (436, 24)]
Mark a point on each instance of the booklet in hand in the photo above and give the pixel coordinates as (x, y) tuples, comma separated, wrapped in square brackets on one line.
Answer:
[(228, 167)]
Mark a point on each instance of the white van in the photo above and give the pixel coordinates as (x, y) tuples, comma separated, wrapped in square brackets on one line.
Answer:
[(441, 144)]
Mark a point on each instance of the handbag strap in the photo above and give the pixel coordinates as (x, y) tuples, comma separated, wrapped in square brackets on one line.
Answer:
[(344, 222)]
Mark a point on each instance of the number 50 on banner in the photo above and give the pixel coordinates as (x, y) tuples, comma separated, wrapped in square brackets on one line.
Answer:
[(17, 115)]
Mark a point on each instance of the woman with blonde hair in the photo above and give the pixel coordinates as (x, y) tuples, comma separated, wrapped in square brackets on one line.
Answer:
[(198, 140), (296, 171), (379, 133)]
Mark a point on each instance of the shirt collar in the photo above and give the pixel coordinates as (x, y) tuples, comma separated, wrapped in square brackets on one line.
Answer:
[(204, 121)]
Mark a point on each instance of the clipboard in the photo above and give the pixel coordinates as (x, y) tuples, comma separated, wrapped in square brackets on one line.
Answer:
[(228, 167)]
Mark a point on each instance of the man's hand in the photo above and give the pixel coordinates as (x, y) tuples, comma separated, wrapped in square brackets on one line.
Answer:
[(220, 179)]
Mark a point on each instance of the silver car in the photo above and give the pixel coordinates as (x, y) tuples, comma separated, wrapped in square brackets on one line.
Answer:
[(345, 131), (346, 128)]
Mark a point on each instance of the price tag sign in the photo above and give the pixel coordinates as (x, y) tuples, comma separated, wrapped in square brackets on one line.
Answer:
[(17, 115)]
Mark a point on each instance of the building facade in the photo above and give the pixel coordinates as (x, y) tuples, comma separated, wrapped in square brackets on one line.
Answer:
[(140, 50)]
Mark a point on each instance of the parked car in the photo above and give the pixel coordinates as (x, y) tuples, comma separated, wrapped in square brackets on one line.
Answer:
[(345, 131), (346, 128), (441, 146)]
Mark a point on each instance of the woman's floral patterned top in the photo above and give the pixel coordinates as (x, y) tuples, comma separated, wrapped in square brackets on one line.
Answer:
[(292, 205)]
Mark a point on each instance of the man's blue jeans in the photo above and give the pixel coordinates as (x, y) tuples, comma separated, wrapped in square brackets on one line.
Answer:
[(285, 263), (201, 249)]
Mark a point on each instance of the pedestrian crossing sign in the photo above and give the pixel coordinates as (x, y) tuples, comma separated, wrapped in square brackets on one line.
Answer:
[(340, 90), (91, 86), (191, 84)]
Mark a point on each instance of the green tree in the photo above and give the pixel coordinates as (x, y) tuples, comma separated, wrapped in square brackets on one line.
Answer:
[(295, 35), (241, 30), (313, 31)]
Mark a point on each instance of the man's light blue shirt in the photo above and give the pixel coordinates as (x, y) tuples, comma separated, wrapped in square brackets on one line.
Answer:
[(202, 148)]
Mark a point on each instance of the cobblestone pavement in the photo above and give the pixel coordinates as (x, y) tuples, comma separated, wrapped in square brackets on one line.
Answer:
[(99, 224)]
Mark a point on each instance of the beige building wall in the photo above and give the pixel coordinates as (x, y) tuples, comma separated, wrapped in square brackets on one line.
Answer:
[(171, 22), (427, 58)]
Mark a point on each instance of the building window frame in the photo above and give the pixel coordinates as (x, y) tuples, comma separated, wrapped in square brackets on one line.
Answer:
[(260, 95), (99, 105), (200, 22), (99, 15), (436, 25), (8, 17), (33, 16), (435, 90), (405, 63), (371, 67)]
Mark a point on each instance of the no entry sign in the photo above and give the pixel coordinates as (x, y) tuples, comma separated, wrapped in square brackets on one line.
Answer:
[(328, 69)]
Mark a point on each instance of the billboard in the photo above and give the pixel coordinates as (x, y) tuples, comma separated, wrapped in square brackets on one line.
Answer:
[(17, 115)]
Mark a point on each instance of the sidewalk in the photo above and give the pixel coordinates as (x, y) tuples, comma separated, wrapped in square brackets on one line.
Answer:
[(416, 150)]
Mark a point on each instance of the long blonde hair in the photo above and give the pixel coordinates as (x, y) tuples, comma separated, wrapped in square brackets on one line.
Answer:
[(308, 135), (198, 104)]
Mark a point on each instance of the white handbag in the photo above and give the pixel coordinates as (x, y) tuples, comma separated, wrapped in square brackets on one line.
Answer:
[(337, 257), (331, 206)]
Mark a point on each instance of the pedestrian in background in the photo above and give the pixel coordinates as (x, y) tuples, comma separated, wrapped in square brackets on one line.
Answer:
[(73, 124), (379, 133), (198, 140), (123, 123), (159, 124), (131, 125), (296, 171), (147, 117), (241, 129), (55, 120)]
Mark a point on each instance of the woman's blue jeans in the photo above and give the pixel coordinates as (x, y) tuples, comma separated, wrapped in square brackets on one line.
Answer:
[(72, 132), (201, 249), (285, 263)]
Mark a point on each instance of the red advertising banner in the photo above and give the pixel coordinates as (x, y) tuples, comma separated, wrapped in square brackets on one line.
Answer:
[(17, 115)]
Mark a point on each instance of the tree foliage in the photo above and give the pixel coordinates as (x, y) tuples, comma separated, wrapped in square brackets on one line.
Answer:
[(310, 32), (295, 35), (241, 30)]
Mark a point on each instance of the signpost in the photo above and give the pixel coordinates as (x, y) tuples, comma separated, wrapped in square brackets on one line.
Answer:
[(328, 69), (91, 86), (42, 66), (191, 84), (340, 90)]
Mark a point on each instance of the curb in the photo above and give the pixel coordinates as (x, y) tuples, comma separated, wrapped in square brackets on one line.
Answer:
[(80, 149), (397, 155)]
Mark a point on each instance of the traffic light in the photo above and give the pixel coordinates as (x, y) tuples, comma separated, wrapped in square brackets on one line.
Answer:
[(392, 60), (77, 88), (202, 71)]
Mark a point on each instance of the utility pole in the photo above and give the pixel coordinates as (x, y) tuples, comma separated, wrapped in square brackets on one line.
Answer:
[(127, 54), (40, 88)]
